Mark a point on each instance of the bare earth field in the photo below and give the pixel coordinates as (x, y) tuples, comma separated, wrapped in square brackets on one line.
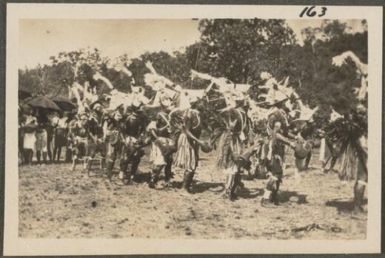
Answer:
[(57, 203)]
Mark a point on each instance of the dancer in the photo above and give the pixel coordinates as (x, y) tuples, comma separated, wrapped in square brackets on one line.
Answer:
[(162, 148), (187, 155), (277, 129)]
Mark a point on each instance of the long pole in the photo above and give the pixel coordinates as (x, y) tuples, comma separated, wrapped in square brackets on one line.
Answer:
[(196, 63)]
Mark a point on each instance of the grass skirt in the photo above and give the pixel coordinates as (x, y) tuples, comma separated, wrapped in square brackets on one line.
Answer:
[(229, 146), (352, 161), (156, 156), (186, 156)]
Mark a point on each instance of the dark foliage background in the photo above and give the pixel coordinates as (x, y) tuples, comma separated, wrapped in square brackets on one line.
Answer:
[(236, 49)]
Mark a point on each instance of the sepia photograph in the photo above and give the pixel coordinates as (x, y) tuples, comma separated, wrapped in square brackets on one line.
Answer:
[(197, 128)]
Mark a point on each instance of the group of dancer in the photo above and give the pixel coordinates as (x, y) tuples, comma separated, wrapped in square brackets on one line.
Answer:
[(246, 134)]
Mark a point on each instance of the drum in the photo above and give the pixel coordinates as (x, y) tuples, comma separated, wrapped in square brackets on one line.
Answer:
[(166, 145), (113, 137), (206, 147), (302, 149), (243, 161)]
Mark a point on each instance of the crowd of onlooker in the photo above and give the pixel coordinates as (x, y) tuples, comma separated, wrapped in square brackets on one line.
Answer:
[(43, 134)]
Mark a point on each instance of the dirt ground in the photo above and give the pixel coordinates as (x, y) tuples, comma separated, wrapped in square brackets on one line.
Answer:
[(55, 202)]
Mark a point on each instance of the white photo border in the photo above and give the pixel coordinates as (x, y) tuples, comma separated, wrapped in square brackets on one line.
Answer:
[(14, 245)]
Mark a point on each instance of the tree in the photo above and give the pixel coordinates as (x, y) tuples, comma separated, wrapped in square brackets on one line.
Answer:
[(29, 80), (317, 81), (240, 49)]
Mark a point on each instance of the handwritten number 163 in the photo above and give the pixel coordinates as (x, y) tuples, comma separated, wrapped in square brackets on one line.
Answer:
[(310, 12)]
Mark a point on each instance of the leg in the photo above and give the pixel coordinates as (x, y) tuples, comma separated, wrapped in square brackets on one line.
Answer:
[(187, 180), (167, 169), (49, 151), (274, 193), (55, 149), (275, 173), (155, 175), (76, 154), (359, 191), (324, 164), (30, 156), (84, 155), (271, 191), (68, 154), (267, 195), (238, 181), (109, 167), (232, 181), (124, 172), (110, 159), (134, 165), (21, 149), (308, 158), (361, 181), (332, 163), (44, 156), (50, 142), (58, 153), (26, 156), (298, 168), (74, 160), (230, 186), (38, 155)]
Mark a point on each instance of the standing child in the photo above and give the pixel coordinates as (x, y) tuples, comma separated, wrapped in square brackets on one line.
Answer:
[(29, 140), (60, 135), (41, 137)]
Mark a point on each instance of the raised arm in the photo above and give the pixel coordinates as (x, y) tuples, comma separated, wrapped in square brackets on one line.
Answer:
[(155, 101), (159, 77), (98, 76), (203, 76), (341, 59), (74, 90), (209, 87), (151, 67), (123, 68)]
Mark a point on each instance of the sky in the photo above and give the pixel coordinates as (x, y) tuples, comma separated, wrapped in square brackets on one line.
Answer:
[(40, 39)]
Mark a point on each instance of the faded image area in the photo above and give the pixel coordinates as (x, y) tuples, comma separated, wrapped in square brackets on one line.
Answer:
[(193, 129)]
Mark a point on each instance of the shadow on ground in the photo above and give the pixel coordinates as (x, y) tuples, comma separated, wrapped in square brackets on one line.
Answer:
[(142, 177), (201, 187), (343, 205), (249, 193), (292, 196)]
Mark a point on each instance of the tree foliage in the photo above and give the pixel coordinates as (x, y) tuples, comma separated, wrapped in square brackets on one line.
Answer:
[(240, 49)]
